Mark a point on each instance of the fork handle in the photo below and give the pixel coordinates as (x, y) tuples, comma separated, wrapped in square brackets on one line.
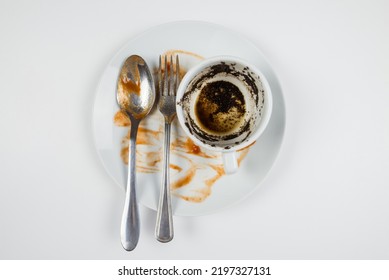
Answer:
[(130, 219), (164, 226)]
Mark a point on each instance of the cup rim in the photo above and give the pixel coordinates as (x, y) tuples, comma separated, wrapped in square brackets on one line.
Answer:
[(194, 71)]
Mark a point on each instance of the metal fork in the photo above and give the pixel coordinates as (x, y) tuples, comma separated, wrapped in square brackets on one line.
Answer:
[(168, 83)]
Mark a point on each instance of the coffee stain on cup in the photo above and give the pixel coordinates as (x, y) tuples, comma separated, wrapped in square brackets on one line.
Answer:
[(193, 170)]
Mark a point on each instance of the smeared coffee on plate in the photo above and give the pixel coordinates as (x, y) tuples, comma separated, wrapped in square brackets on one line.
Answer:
[(193, 170)]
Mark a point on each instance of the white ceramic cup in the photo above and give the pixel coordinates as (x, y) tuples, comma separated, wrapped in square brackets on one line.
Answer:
[(224, 104)]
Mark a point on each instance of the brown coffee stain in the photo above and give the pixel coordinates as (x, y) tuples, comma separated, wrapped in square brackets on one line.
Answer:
[(248, 147), (189, 147), (175, 167), (185, 179), (124, 154), (153, 158), (243, 153), (145, 136), (182, 52), (129, 86), (121, 119), (148, 170), (194, 162), (126, 86), (219, 173), (151, 162), (202, 194)]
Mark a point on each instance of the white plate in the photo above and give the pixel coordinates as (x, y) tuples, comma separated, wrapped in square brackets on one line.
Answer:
[(205, 40)]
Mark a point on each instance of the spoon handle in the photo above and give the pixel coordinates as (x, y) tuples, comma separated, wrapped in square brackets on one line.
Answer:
[(164, 227), (130, 219)]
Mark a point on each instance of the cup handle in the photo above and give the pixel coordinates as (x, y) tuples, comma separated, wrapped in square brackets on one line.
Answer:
[(230, 162)]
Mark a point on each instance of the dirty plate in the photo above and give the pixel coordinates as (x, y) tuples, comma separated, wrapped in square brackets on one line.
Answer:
[(197, 181)]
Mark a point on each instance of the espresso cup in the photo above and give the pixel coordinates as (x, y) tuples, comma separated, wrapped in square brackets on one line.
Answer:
[(224, 104)]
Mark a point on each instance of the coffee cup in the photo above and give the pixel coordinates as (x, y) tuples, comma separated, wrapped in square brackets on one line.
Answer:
[(224, 104)]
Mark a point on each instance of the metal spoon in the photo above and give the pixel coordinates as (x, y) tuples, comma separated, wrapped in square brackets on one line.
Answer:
[(135, 97)]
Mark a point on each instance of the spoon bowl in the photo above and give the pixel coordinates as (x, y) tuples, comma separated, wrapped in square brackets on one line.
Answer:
[(135, 91)]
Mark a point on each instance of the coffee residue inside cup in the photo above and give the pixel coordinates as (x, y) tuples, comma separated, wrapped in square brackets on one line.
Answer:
[(222, 104), (220, 107)]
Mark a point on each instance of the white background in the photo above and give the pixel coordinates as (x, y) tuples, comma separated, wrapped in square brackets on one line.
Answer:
[(327, 197)]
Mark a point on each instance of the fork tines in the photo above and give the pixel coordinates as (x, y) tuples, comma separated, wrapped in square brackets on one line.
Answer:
[(168, 75)]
